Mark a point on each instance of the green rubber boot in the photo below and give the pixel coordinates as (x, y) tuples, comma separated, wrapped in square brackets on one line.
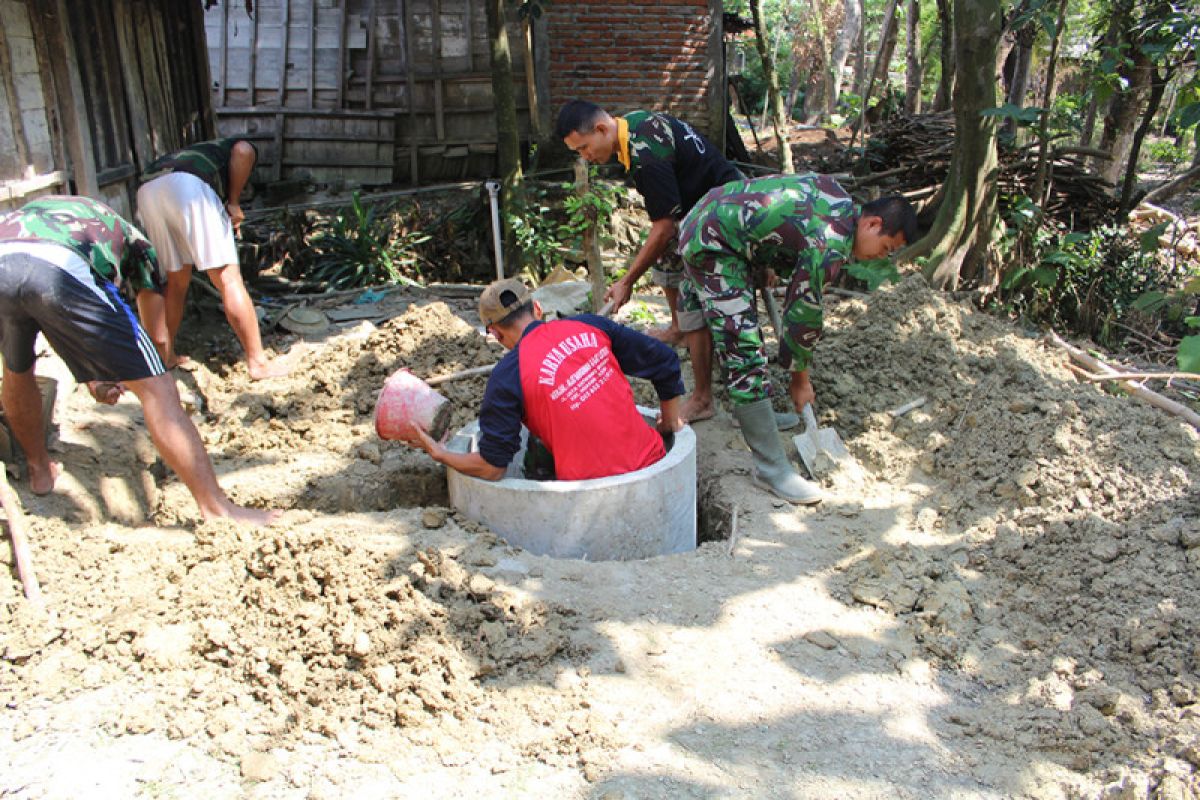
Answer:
[(772, 470)]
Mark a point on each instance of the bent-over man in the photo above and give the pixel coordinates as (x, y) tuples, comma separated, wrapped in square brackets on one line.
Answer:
[(803, 227), (190, 207), (63, 264)]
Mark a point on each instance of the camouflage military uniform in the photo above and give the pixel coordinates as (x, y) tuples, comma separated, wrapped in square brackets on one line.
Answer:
[(800, 226), (116, 251), (62, 260), (672, 166), (208, 161)]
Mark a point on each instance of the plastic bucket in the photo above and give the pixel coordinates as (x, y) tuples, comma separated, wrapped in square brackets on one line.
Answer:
[(407, 400)]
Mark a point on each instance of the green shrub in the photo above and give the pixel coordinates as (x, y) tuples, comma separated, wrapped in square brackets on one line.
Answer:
[(363, 245)]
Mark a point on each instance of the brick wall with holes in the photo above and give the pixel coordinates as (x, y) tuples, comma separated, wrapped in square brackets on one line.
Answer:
[(658, 55)]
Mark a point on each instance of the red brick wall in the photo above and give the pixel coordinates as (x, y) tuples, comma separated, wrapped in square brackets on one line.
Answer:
[(658, 55)]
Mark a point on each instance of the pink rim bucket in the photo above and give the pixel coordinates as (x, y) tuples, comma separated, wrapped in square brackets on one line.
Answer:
[(406, 399)]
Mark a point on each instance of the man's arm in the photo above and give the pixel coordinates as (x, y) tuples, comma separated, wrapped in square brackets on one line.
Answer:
[(241, 164), (471, 464), (641, 356), (661, 233)]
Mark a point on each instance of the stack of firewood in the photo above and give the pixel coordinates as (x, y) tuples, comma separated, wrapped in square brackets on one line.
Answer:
[(911, 155)]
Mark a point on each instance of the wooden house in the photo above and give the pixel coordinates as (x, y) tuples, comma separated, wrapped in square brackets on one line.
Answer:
[(93, 90)]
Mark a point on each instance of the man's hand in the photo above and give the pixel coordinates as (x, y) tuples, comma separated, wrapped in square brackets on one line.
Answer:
[(618, 294), (107, 392), (235, 215), (669, 419), (415, 436), (801, 390)]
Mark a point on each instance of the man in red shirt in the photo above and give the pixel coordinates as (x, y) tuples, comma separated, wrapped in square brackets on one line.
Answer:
[(563, 379)]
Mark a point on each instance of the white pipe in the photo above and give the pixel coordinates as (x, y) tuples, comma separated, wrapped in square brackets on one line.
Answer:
[(493, 188)]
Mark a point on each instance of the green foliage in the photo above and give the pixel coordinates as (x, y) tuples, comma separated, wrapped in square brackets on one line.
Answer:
[(1082, 281), (640, 313), (875, 272), (362, 245), (1024, 115), (1164, 151), (552, 220)]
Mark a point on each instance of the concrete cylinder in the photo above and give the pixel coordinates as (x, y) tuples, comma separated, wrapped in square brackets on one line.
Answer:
[(639, 514)]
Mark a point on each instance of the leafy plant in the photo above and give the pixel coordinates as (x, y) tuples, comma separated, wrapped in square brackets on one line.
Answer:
[(1084, 281), (361, 245), (1188, 356), (875, 272)]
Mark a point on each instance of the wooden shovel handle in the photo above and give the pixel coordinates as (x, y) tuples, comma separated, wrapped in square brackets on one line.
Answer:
[(20, 540)]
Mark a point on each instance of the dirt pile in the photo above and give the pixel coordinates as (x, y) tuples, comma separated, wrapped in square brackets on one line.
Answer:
[(252, 636), (1057, 554)]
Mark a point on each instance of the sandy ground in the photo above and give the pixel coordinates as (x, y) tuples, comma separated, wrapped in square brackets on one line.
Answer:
[(1004, 603)]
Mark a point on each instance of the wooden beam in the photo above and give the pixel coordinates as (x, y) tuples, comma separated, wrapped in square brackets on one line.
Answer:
[(38, 24), (131, 70), (342, 63), (285, 34), (414, 157), (225, 52), (277, 173), (254, 59), (370, 99), (439, 111), (312, 53), (14, 108), (208, 120), (75, 116)]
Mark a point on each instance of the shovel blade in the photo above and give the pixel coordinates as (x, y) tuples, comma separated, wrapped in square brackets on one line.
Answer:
[(821, 449)]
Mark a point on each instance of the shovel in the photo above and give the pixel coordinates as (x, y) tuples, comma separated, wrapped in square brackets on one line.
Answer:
[(821, 449)]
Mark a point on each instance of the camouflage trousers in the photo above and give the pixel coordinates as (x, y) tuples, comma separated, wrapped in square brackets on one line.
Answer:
[(667, 271), (724, 288)]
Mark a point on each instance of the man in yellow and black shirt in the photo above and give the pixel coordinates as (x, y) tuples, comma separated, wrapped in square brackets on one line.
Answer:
[(672, 166)]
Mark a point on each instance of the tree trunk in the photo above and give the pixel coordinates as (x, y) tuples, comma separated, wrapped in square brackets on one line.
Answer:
[(860, 53), (1041, 176), (818, 73), (508, 144), (767, 103), (851, 25), (959, 243), (912, 75), (887, 44), (941, 100), (1157, 89), (1125, 106), (773, 96), (1016, 71)]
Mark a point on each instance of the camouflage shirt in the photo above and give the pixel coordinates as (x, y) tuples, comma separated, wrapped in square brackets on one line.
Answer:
[(208, 161), (670, 163), (801, 226), (115, 249)]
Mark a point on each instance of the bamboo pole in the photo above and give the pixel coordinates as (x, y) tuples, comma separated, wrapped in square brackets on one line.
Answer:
[(1098, 367), (20, 541)]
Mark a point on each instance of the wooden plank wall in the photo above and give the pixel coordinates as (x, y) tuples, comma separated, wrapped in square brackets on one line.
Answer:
[(359, 91), (32, 161), (96, 91)]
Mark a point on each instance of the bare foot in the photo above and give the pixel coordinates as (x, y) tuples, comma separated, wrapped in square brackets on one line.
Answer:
[(670, 335), (695, 410), (275, 368), (183, 362), (250, 516), (41, 479)]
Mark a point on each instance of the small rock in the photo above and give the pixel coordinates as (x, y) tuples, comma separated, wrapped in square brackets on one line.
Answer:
[(433, 517), (1106, 550), (821, 639), (362, 644), (1189, 537), (259, 766)]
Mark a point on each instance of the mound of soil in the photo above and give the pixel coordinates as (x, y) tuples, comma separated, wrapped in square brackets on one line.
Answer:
[(1061, 560)]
